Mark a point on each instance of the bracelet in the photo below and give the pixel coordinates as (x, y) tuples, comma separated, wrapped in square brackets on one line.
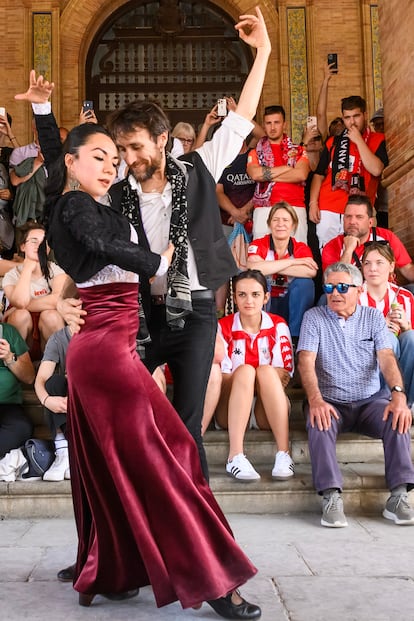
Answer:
[(267, 173), (45, 399), (11, 138)]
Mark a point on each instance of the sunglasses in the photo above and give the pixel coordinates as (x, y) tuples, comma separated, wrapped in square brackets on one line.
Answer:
[(341, 287), (381, 242)]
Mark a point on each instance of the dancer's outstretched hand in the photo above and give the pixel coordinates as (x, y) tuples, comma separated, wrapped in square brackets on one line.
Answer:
[(252, 30), (39, 90)]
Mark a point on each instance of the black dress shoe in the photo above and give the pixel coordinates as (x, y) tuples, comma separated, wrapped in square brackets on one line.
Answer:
[(67, 574), (224, 607), (117, 597)]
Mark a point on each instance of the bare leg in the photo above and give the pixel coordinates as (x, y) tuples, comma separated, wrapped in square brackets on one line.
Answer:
[(272, 407), (238, 389), (212, 396)]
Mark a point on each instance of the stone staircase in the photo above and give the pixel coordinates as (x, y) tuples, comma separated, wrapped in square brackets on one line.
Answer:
[(361, 462)]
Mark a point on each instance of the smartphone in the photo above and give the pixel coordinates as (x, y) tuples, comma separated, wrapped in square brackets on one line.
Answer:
[(311, 121), (333, 60), (221, 107), (87, 105), (1, 330), (2, 111)]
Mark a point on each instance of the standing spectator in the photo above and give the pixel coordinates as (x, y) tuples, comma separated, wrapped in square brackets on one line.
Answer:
[(28, 176), (342, 348), (351, 163), (280, 169), (7, 143), (15, 367), (381, 202), (184, 132), (290, 265), (258, 360), (32, 291)]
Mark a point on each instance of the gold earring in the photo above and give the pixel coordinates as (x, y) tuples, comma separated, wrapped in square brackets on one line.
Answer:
[(74, 184)]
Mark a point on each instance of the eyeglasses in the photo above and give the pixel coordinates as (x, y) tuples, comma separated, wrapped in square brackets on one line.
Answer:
[(186, 140), (381, 242), (341, 287), (34, 241)]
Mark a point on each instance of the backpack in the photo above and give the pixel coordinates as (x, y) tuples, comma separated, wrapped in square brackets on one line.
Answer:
[(40, 455)]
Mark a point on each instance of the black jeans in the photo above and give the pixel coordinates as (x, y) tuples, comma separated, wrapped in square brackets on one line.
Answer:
[(56, 386), (189, 354), (15, 427)]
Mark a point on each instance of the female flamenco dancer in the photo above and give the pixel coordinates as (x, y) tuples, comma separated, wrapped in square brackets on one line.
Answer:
[(144, 512)]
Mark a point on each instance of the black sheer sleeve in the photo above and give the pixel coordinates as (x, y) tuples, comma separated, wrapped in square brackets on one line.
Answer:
[(49, 137), (104, 232)]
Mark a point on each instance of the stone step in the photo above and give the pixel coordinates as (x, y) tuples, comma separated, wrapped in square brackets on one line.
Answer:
[(364, 492), (259, 447), (361, 460)]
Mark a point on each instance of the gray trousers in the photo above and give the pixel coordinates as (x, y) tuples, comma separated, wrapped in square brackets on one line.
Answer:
[(364, 417)]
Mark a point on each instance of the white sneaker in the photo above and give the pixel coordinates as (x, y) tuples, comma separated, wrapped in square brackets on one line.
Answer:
[(240, 468), (57, 470), (284, 466)]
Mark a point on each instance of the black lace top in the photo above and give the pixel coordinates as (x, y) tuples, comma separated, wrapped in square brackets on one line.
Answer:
[(86, 236)]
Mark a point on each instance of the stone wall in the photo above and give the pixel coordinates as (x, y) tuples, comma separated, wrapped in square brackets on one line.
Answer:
[(396, 36)]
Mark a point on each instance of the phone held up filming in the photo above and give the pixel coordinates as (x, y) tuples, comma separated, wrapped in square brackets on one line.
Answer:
[(221, 107)]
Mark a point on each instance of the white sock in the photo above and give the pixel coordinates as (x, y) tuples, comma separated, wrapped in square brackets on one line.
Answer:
[(60, 442)]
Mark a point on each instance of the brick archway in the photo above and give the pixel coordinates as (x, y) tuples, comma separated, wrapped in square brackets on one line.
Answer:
[(81, 21)]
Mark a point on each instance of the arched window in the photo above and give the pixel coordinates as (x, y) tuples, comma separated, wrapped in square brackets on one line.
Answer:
[(185, 55)]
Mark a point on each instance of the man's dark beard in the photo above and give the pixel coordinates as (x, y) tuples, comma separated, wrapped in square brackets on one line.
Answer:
[(144, 176)]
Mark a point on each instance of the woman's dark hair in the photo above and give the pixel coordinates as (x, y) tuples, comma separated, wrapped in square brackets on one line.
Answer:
[(22, 233), (254, 274), (57, 175)]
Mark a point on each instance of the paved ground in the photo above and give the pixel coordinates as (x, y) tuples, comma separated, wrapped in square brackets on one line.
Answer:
[(306, 573)]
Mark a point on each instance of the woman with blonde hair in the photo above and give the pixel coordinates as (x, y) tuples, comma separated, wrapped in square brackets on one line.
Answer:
[(288, 263), (185, 133)]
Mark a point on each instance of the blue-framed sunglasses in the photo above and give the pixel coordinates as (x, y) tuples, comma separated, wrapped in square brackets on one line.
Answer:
[(341, 287)]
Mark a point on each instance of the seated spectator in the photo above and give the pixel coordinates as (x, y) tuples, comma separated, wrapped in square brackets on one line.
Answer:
[(342, 349), (290, 265), (15, 367), (32, 291), (258, 360), (358, 231), (395, 303), (185, 134), (51, 388)]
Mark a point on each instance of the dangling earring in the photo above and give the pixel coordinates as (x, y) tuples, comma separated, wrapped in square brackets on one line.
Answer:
[(74, 184)]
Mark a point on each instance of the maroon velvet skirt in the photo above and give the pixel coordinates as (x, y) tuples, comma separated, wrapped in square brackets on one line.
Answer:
[(144, 512)]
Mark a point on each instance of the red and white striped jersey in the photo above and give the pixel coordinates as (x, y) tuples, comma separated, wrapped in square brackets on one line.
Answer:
[(404, 297), (272, 345)]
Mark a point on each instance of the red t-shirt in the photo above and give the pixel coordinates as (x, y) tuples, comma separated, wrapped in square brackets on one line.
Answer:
[(262, 248), (332, 251), (292, 193)]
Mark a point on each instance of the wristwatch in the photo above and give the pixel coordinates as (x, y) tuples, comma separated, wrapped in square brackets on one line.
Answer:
[(12, 361), (397, 388)]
